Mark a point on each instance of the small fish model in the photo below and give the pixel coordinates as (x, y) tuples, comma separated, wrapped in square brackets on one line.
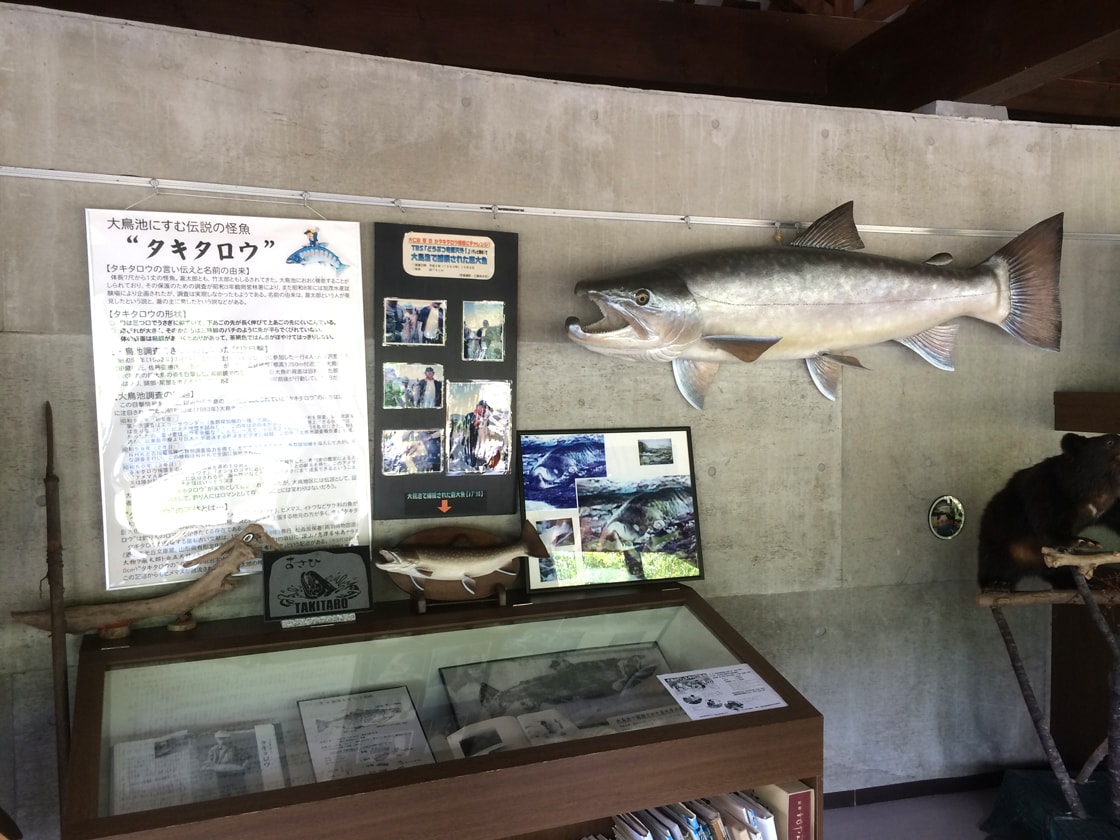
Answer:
[(462, 564), (316, 253), (815, 300)]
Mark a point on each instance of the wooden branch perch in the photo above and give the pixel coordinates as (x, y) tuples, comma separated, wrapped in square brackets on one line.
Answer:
[(228, 556), (1003, 598), (1086, 563)]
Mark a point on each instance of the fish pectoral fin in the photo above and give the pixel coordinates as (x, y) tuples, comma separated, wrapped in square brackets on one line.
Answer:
[(693, 379), (825, 372), (836, 229), (941, 258), (743, 348), (468, 583), (935, 345)]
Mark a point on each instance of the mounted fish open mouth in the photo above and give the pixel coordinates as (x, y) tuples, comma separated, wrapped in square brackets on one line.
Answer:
[(617, 321)]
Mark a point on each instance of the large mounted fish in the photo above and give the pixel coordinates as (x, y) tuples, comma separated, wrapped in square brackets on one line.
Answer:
[(816, 300)]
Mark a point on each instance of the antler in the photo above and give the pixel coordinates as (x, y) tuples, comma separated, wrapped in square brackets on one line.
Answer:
[(229, 556)]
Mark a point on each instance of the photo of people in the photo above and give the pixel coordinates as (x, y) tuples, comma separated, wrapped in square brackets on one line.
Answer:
[(412, 385), (411, 451), (480, 428), (483, 331), (414, 321)]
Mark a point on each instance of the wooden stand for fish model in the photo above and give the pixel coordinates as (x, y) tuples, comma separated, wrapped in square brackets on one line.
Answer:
[(490, 587)]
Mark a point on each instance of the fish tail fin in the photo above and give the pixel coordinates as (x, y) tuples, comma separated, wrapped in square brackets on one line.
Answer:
[(532, 540), (1033, 261)]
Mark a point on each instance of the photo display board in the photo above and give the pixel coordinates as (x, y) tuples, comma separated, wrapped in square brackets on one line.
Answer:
[(445, 323), (230, 376), (612, 506)]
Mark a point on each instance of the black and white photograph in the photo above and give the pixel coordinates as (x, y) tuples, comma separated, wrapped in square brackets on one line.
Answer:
[(511, 733), (588, 687), (365, 732), (177, 768)]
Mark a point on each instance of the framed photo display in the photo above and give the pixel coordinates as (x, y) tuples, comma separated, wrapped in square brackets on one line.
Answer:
[(612, 506), (584, 689), (445, 320), (366, 732), (188, 766)]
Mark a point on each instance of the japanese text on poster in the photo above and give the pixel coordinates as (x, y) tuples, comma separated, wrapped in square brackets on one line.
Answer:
[(230, 378)]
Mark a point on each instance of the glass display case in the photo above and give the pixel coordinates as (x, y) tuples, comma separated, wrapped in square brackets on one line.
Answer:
[(530, 720)]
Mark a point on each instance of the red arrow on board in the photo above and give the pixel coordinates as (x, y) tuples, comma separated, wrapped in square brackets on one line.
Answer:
[(444, 507)]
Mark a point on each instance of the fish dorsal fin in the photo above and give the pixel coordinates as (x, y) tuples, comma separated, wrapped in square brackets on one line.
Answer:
[(935, 345), (694, 379), (743, 348), (940, 258), (825, 370), (835, 229)]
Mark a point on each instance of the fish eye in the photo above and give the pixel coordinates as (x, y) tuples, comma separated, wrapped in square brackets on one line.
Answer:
[(641, 297)]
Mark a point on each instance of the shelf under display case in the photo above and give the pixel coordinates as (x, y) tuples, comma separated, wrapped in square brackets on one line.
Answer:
[(536, 720)]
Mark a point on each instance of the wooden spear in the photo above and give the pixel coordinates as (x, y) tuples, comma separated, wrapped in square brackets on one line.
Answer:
[(58, 615)]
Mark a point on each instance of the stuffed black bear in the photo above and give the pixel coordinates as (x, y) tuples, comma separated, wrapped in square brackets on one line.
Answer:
[(1049, 504)]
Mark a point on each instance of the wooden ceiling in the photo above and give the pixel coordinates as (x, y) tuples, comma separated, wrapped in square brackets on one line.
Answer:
[(1047, 60)]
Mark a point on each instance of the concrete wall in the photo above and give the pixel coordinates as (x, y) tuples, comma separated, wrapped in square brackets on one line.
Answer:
[(813, 513)]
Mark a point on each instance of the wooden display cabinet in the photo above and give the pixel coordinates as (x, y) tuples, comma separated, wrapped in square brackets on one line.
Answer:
[(158, 682)]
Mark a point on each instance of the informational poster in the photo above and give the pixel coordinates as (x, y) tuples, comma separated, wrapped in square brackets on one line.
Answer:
[(715, 692), (366, 732), (230, 374), (178, 768), (446, 322)]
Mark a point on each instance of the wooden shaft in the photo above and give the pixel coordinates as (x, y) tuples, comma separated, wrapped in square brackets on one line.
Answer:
[(1073, 799), (57, 613)]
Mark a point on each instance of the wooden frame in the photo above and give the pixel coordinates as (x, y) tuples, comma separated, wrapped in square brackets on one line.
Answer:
[(510, 794)]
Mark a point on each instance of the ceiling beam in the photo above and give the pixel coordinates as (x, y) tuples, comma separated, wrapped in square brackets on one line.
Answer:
[(1071, 99), (881, 9), (985, 51), (640, 43)]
